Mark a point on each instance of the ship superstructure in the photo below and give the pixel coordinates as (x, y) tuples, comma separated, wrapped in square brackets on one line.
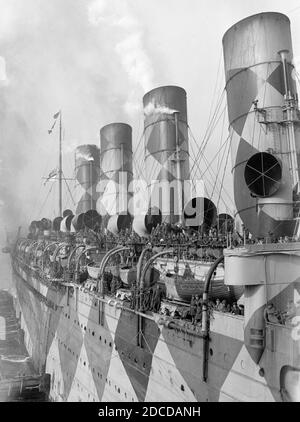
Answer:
[(117, 307)]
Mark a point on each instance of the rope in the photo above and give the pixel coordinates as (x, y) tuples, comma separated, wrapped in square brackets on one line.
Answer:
[(44, 203), (216, 83), (222, 183), (211, 126), (209, 167), (138, 160), (74, 203)]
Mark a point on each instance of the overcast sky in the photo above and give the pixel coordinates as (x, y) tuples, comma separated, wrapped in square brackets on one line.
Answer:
[(80, 56)]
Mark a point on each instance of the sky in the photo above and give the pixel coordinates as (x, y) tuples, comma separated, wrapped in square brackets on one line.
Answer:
[(94, 60)]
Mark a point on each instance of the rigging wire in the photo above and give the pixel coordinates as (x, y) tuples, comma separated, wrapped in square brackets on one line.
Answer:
[(216, 83), (211, 124), (209, 166), (74, 203), (218, 169), (37, 197), (137, 157), (293, 10), (209, 182), (215, 156), (223, 177), (47, 196), (210, 129), (193, 157), (224, 190), (221, 139)]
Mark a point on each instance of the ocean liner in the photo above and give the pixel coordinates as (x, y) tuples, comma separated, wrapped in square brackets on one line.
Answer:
[(175, 302)]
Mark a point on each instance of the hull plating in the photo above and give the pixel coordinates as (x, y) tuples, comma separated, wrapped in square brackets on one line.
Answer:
[(88, 345)]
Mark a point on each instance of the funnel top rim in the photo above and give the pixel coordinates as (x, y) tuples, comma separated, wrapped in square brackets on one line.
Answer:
[(261, 14), (163, 87), (86, 145), (115, 124)]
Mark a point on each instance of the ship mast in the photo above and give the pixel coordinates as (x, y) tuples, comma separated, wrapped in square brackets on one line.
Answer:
[(60, 164)]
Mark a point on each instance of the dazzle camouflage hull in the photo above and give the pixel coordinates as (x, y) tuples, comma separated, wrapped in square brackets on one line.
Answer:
[(88, 345)]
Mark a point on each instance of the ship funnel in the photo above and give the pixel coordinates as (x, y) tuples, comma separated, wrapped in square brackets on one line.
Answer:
[(87, 162), (116, 169), (145, 223), (167, 150), (199, 213), (262, 106)]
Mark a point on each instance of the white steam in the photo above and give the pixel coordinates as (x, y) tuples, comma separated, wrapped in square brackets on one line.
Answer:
[(129, 46), (3, 75), (152, 108), (82, 57), (84, 156)]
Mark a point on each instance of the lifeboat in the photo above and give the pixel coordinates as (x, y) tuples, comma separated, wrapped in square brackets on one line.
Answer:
[(182, 288), (128, 275), (113, 269), (93, 270), (151, 277)]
